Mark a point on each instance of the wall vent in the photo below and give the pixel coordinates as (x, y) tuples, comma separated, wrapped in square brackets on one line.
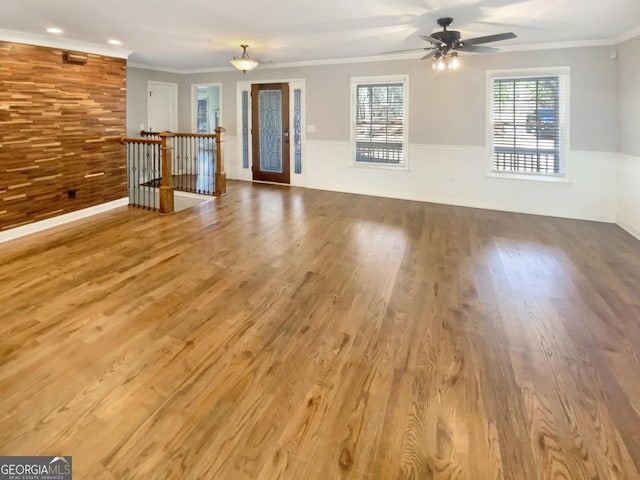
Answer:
[(74, 57)]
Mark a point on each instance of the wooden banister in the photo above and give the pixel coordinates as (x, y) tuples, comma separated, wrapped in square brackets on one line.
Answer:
[(140, 140), (196, 135), (221, 175), (198, 170), (145, 133), (166, 185)]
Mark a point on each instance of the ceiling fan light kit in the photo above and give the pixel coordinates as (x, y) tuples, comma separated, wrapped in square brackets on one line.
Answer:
[(443, 62), (446, 44), (244, 63)]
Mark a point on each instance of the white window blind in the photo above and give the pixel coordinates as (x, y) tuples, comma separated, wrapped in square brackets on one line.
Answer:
[(528, 124), (379, 123)]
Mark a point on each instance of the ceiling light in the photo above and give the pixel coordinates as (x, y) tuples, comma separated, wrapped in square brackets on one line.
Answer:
[(454, 61), (54, 30), (439, 64), (115, 42), (444, 60), (244, 63)]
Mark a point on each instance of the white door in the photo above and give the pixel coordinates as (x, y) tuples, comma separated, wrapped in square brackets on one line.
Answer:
[(162, 113)]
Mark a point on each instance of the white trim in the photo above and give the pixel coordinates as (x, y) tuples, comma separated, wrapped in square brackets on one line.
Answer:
[(194, 102), (564, 74), (207, 70), (358, 80), (156, 68), (627, 195), (183, 194), (528, 177), (63, 43), (607, 42), (628, 35), (174, 104), (627, 227), (455, 201), (342, 61), (388, 57), (243, 173), (295, 179), (61, 220)]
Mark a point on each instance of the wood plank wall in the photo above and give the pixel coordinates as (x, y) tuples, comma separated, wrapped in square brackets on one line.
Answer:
[(60, 130)]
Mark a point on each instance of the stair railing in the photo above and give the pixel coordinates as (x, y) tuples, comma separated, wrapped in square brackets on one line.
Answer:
[(198, 162), (149, 172)]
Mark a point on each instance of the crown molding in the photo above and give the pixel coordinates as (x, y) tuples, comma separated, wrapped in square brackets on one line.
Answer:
[(304, 63), (214, 70), (400, 56), (159, 68), (556, 45), (155, 68), (380, 58), (628, 35), (62, 43)]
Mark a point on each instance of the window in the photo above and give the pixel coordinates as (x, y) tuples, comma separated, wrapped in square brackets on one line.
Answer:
[(297, 130), (203, 115), (528, 122), (245, 129), (379, 131)]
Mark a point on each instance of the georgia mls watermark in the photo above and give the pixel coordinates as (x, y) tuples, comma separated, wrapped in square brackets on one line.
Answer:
[(35, 468)]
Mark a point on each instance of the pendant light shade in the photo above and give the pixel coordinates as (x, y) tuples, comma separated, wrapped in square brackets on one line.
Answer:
[(244, 63)]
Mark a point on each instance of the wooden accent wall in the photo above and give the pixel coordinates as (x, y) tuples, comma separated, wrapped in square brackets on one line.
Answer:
[(60, 130)]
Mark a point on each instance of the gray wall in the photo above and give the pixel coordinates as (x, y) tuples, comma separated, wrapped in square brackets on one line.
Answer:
[(137, 96), (445, 108), (629, 97)]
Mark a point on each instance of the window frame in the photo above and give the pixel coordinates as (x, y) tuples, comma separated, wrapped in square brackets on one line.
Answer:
[(382, 80), (563, 74)]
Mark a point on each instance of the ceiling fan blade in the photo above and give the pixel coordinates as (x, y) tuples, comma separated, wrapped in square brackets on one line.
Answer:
[(407, 50), (433, 40), (476, 49), (489, 38), (429, 55)]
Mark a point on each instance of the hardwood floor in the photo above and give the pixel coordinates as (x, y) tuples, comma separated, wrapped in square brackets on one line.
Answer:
[(300, 334)]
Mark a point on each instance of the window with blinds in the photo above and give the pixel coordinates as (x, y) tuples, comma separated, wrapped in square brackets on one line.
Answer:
[(528, 124), (379, 130)]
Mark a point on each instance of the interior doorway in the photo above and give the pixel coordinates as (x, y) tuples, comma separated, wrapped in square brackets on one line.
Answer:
[(206, 107)]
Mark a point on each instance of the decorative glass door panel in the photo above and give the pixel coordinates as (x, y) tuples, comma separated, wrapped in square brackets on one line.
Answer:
[(270, 122)]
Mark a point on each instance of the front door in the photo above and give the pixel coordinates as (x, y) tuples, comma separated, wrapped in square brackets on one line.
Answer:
[(270, 132)]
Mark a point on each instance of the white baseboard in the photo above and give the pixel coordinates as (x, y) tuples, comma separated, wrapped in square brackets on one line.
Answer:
[(61, 220), (635, 231)]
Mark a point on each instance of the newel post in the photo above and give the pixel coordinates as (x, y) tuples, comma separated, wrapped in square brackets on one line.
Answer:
[(220, 176), (166, 184)]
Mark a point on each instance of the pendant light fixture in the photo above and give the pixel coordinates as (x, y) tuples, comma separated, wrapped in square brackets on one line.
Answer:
[(244, 63)]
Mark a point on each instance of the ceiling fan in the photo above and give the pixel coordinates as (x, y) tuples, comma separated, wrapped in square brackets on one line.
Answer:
[(448, 42)]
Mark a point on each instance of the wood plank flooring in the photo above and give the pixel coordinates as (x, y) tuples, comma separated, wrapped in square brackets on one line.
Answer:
[(299, 334)]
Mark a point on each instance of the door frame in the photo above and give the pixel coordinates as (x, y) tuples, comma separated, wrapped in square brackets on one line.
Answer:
[(194, 102), (174, 103), (235, 169)]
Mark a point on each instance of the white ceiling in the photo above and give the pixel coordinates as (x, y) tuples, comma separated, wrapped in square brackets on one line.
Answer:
[(202, 34)]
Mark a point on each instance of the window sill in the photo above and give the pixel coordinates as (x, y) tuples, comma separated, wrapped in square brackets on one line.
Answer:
[(532, 177), (380, 166)]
